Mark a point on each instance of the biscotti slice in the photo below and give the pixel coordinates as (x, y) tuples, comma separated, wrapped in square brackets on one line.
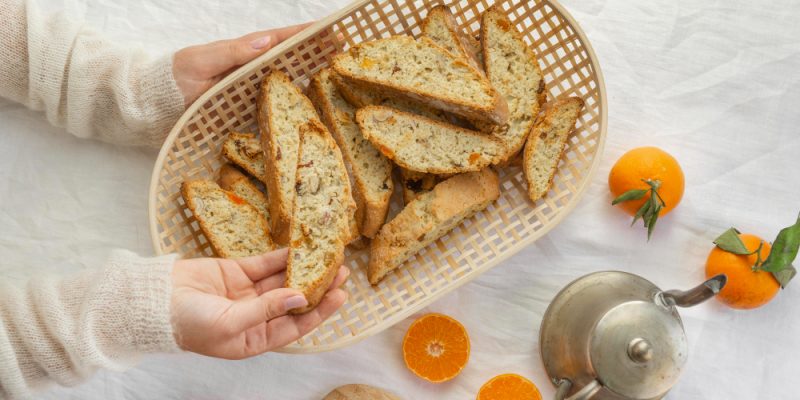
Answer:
[(546, 144), (244, 150), (370, 170), (232, 226), (428, 218), (232, 180), (422, 71), (425, 145), (513, 70), (282, 109), (440, 27), (323, 209), (361, 97), (416, 183)]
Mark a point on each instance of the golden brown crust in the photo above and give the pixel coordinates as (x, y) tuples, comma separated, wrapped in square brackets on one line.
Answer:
[(542, 127), (228, 176), (497, 112), (429, 217), (370, 215), (359, 392)]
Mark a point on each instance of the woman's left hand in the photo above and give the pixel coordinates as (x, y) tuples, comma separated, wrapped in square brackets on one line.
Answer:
[(239, 308), (197, 68)]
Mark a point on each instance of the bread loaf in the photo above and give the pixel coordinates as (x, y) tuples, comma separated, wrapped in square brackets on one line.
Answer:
[(232, 180)]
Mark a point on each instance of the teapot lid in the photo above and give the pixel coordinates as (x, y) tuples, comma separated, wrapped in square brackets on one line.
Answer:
[(638, 348)]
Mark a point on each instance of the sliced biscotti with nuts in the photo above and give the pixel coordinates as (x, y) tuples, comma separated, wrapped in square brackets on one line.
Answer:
[(323, 209), (428, 218), (244, 150), (359, 96), (370, 170), (232, 226), (546, 144), (233, 180), (513, 70), (420, 70), (282, 109), (426, 145), (440, 26)]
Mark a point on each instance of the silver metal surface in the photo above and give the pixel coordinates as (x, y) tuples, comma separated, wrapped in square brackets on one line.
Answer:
[(619, 332), (697, 295)]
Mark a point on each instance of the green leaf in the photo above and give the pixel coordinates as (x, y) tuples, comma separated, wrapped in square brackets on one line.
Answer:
[(784, 249), (643, 210), (785, 275), (634, 194), (730, 242), (652, 221)]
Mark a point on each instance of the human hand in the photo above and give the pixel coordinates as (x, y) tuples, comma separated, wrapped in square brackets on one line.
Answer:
[(197, 68), (238, 308)]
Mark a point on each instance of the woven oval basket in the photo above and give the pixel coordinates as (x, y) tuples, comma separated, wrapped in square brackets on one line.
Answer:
[(193, 147)]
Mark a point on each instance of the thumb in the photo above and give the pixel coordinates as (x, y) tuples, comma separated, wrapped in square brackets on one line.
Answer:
[(245, 314), (219, 57)]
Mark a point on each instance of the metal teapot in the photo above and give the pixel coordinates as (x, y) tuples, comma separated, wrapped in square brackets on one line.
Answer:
[(615, 336)]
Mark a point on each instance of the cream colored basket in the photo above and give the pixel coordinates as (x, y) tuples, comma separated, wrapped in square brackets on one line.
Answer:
[(192, 150)]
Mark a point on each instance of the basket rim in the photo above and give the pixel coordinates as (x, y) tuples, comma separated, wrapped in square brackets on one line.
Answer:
[(403, 314)]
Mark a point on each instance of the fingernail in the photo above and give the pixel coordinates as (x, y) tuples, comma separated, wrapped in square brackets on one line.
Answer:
[(260, 43), (295, 302)]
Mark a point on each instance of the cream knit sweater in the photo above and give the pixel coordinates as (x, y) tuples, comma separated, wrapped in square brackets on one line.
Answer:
[(62, 329)]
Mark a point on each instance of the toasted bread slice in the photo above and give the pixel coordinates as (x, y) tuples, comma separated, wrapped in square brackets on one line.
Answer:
[(512, 68), (233, 180), (428, 218), (546, 144), (416, 183), (244, 150), (282, 109), (425, 145), (359, 97), (371, 172), (440, 26), (420, 70), (232, 226), (323, 209), (359, 392)]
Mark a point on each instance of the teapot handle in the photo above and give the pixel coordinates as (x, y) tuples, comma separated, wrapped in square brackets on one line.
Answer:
[(696, 295), (588, 391)]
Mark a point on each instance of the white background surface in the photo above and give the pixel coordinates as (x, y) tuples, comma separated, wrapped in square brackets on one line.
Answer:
[(716, 83)]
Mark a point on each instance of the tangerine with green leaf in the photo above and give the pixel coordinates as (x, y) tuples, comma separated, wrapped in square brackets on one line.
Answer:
[(748, 286), (646, 182)]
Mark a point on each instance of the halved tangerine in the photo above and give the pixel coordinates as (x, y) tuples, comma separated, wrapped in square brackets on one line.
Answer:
[(436, 347), (509, 387)]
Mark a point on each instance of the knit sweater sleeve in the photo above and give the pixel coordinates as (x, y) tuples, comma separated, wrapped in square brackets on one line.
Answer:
[(63, 329), (90, 86)]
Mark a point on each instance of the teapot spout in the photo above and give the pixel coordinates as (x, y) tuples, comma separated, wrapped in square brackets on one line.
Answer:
[(694, 296)]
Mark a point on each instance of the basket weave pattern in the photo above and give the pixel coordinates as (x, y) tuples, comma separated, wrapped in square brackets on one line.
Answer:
[(481, 242)]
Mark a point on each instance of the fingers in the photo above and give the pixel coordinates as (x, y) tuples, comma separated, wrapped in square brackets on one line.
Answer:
[(270, 283), (284, 330), (244, 314), (224, 55), (261, 266)]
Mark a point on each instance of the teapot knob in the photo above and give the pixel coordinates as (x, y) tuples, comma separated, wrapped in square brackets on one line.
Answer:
[(640, 350)]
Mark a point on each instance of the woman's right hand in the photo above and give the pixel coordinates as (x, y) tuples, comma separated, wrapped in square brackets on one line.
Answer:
[(238, 308)]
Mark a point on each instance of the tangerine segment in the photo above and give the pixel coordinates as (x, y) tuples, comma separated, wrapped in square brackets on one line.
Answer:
[(647, 163), (509, 387), (436, 347), (745, 288)]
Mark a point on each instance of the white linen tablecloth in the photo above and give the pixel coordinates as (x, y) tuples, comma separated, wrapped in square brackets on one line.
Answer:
[(717, 84)]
